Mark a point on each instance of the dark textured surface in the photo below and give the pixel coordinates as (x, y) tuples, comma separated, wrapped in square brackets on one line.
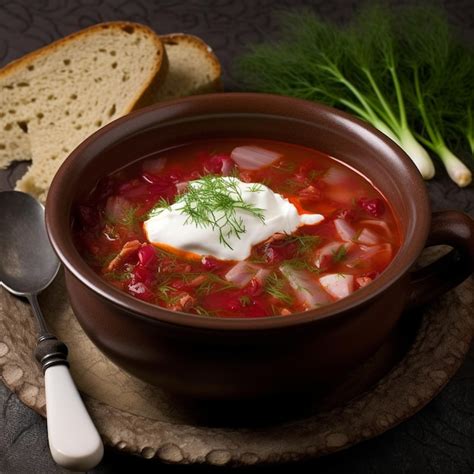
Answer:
[(439, 439)]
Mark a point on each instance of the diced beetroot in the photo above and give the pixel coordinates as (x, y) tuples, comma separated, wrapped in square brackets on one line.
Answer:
[(147, 255), (210, 263), (367, 237), (278, 250), (375, 207), (152, 191), (227, 166), (141, 291), (255, 286), (213, 164), (142, 274), (217, 164), (338, 285), (345, 231)]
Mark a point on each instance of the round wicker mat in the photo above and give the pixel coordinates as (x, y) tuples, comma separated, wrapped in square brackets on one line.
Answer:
[(140, 419)]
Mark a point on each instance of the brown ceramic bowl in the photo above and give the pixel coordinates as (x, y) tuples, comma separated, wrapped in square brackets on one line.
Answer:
[(240, 358)]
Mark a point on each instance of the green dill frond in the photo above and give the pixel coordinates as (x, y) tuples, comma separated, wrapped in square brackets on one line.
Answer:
[(299, 264), (245, 300), (167, 294), (129, 217), (158, 208), (118, 276), (213, 202), (340, 254), (204, 312), (274, 286)]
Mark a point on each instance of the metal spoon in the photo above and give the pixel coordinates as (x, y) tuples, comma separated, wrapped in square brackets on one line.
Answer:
[(28, 265)]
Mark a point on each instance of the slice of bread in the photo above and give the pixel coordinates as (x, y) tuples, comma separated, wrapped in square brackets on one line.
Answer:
[(193, 67), (53, 98)]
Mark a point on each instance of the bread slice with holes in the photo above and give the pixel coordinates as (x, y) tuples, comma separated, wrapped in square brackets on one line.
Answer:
[(193, 67), (53, 98)]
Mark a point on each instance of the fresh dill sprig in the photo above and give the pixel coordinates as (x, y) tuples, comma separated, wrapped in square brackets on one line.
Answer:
[(255, 188), (340, 254), (209, 285), (245, 300), (203, 311), (274, 286), (306, 243), (129, 217), (212, 201), (158, 208), (165, 293), (118, 276), (299, 264)]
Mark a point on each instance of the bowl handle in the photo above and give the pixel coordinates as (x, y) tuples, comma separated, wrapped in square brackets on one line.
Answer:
[(449, 228)]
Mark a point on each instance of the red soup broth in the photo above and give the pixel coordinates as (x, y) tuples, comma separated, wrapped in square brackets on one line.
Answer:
[(285, 274)]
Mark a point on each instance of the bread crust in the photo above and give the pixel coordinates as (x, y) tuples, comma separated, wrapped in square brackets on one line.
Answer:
[(175, 38), (158, 75)]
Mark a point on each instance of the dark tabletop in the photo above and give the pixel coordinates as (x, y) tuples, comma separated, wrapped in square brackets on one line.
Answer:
[(440, 438)]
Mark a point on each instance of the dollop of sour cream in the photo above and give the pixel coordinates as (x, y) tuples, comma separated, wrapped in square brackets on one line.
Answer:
[(173, 228)]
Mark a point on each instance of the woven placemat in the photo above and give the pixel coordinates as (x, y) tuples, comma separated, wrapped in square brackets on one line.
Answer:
[(140, 419)]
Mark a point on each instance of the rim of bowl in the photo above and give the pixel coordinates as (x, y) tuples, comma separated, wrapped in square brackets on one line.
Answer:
[(57, 213)]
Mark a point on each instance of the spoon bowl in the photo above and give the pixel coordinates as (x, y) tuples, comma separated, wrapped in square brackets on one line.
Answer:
[(28, 263)]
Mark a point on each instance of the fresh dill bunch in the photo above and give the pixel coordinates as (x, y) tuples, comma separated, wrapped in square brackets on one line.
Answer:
[(400, 69), (317, 60)]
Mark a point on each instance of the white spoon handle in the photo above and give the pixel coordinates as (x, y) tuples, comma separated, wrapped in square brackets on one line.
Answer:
[(73, 439)]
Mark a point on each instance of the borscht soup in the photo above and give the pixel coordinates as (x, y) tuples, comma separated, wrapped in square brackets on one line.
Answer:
[(237, 228)]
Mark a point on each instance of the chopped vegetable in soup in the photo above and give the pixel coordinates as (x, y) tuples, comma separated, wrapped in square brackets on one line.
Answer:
[(237, 228)]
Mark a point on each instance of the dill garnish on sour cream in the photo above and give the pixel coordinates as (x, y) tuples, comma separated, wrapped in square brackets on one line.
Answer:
[(223, 217)]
